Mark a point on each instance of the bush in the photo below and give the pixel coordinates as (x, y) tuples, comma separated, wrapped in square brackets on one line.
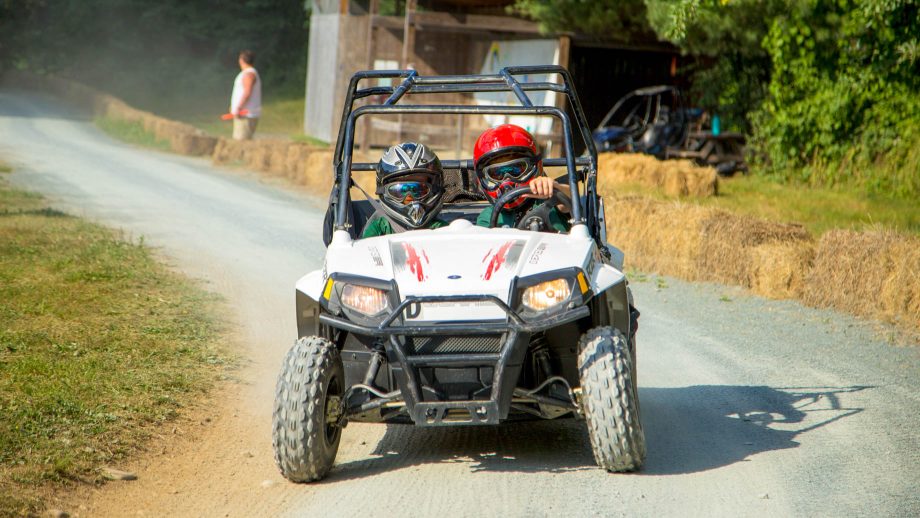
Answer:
[(843, 105)]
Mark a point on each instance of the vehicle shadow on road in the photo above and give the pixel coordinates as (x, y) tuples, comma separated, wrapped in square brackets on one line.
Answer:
[(704, 427), (530, 446), (687, 430)]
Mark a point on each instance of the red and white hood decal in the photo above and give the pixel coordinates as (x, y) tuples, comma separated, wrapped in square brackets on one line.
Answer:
[(469, 264), (459, 260)]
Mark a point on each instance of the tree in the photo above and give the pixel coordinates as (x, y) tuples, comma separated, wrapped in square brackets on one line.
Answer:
[(829, 90)]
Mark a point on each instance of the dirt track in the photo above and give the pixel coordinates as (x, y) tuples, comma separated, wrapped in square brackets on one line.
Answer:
[(751, 407)]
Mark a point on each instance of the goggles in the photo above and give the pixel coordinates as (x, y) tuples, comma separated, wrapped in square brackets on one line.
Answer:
[(401, 191), (516, 170)]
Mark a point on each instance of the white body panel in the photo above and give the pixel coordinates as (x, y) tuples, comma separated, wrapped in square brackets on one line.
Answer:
[(460, 259)]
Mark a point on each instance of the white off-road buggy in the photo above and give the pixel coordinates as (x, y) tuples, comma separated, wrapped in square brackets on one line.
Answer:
[(462, 325)]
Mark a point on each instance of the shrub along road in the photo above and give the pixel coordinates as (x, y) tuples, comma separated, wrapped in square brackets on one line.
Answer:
[(751, 407)]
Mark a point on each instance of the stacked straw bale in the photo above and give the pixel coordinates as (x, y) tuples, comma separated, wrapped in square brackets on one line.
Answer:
[(750, 252), (705, 244), (679, 178), (874, 274), (656, 236)]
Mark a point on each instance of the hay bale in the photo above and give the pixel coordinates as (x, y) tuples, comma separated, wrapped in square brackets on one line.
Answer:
[(317, 171), (778, 270), (676, 178), (701, 181), (726, 241), (296, 159), (276, 156), (656, 236), (874, 274), (195, 145), (900, 293), (674, 183)]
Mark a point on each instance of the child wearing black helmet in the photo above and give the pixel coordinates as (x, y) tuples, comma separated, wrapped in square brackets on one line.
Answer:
[(410, 187)]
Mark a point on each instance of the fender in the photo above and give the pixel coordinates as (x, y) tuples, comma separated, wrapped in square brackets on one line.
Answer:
[(306, 299), (611, 284)]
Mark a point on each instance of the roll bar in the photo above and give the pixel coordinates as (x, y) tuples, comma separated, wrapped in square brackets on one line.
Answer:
[(505, 81)]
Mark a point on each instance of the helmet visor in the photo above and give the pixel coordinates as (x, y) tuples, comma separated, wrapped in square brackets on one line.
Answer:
[(406, 192), (515, 170)]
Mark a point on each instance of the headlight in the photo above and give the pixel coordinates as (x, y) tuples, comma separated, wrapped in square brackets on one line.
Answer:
[(364, 300), (546, 295)]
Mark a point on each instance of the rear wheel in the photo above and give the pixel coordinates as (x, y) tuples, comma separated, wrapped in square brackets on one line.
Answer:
[(610, 400), (305, 425)]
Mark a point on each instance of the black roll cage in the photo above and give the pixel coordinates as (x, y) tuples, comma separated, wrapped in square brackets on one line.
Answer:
[(583, 211)]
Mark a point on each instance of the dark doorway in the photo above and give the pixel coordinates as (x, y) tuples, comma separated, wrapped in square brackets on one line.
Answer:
[(603, 75)]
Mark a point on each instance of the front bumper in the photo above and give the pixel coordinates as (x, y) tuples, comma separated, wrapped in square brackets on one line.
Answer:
[(505, 364)]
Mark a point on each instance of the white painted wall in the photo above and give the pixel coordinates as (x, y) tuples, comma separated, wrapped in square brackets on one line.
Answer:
[(322, 69)]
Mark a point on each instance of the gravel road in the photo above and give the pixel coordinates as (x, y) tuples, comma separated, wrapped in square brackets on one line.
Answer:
[(751, 407)]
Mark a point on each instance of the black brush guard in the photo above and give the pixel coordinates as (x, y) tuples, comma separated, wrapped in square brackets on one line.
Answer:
[(506, 363)]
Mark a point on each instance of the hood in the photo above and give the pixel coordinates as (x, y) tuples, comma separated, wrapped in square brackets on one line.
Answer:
[(459, 259)]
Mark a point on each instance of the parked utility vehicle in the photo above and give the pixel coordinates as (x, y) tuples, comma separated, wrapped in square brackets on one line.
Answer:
[(462, 325)]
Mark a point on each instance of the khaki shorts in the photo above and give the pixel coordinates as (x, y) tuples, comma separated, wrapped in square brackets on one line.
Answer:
[(244, 128)]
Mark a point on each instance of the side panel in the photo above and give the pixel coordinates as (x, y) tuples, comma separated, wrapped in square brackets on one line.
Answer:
[(307, 315), (308, 290), (617, 301)]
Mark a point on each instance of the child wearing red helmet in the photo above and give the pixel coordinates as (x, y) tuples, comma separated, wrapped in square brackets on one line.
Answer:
[(506, 157)]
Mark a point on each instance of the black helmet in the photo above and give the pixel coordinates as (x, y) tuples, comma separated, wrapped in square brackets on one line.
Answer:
[(410, 184)]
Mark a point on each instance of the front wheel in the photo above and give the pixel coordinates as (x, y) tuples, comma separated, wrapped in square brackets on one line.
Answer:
[(305, 425), (610, 400)]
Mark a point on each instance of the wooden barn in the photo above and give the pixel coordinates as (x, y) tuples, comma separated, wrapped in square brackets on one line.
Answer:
[(459, 37)]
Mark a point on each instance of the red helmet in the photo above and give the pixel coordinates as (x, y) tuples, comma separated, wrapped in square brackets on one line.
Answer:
[(506, 157)]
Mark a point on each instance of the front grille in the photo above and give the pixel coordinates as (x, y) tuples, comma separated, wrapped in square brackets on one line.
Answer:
[(454, 344)]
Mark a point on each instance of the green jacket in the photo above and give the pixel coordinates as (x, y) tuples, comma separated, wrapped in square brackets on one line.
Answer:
[(509, 218), (381, 227)]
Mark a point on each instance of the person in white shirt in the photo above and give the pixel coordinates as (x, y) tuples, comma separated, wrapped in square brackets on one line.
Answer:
[(246, 100)]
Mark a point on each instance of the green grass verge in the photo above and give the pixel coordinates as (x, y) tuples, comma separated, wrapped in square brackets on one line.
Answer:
[(130, 132), (100, 345), (819, 209), (282, 117)]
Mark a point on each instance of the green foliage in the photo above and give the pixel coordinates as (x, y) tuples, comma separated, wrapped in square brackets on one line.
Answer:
[(844, 95), (732, 69), (829, 90), (622, 20)]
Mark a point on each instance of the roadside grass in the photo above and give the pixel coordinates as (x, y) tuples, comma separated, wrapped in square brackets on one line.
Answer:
[(818, 209), (131, 132), (282, 117), (100, 347)]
